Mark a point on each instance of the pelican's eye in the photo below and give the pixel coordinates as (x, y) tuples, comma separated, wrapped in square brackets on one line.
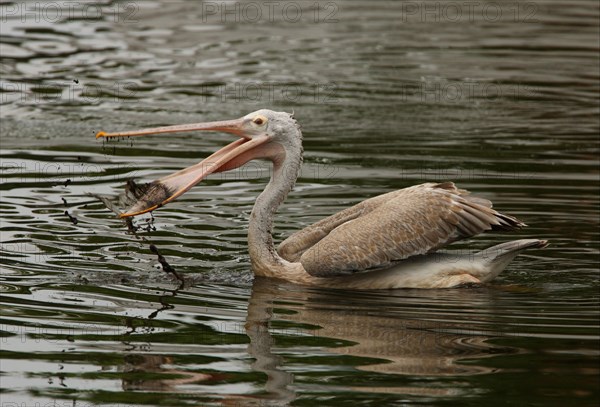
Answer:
[(259, 120)]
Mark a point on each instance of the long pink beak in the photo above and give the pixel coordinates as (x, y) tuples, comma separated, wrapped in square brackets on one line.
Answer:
[(165, 190)]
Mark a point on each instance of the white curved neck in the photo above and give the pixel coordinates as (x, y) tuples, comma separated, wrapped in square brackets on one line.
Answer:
[(264, 257)]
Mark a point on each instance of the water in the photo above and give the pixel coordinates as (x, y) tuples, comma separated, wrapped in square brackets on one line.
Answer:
[(389, 95)]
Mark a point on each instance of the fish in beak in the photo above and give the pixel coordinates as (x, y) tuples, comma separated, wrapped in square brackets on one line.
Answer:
[(253, 143)]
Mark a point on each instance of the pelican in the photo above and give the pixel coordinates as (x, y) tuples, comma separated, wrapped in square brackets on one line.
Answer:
[(388, 241)]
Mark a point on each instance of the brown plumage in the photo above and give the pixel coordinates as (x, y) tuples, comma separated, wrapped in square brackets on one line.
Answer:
[(391, 227)]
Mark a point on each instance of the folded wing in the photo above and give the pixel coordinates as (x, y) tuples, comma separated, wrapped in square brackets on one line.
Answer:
[(391, 227)]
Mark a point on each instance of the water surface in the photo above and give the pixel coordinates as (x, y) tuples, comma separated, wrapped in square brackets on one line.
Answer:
[(388, 96)]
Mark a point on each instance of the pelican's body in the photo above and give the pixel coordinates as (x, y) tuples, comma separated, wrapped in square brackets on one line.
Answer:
[(388, 241)]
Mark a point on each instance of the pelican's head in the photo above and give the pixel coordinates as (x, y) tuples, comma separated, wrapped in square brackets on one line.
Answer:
[(262, 134), (279, 125)]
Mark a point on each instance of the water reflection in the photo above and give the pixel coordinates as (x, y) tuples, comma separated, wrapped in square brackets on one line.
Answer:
[(276, 342), (390, 342), (378, 334), (154, 365)]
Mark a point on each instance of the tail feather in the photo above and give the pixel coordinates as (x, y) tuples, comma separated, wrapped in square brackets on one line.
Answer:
[(497, 257)]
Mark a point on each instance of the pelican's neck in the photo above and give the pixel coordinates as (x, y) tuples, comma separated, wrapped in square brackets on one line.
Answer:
[(264, 257)]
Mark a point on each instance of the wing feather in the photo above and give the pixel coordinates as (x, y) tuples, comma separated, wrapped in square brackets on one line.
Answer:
[(392, 227), (294, 246)]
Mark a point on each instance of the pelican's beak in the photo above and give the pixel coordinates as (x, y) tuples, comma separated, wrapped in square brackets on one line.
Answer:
[(236, 154)]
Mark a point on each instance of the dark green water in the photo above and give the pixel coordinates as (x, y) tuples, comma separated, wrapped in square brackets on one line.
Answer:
[(500, 97)]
